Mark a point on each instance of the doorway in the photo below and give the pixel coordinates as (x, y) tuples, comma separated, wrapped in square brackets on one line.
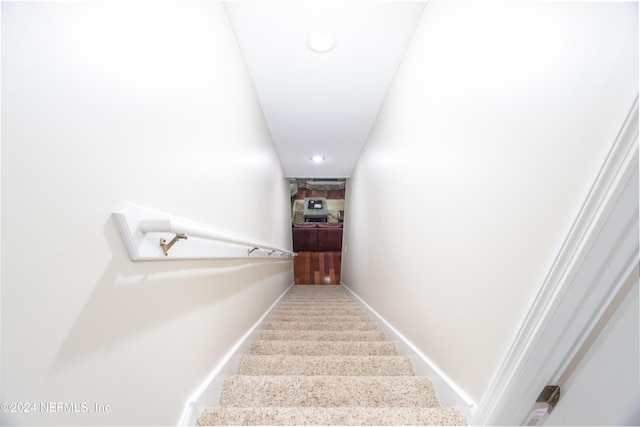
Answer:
[(317, 218)]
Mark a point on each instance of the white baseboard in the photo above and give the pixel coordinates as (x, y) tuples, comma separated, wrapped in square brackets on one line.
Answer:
[(448, 392), (209, 391)]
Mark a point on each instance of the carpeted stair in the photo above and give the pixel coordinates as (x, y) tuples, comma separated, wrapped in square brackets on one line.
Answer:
[(321, 361)]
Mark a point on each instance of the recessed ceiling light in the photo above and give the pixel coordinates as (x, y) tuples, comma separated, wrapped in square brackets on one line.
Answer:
[(317, 159), (321, 41)]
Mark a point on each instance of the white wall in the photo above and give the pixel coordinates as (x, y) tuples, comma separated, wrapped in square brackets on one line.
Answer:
[(485, 147), (112, 102)]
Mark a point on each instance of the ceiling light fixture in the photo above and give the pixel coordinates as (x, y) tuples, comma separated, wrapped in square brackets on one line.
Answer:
[(317, 159), (321, 41)]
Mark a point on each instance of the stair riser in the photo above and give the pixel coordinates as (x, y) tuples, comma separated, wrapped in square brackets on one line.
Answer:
[(321, 326), (244, 391), (325, 365), (318, 312), (349, 416), (323, 336), (313, 307)]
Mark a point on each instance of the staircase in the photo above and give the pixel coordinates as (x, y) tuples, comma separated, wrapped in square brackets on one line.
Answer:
[(321, 361)]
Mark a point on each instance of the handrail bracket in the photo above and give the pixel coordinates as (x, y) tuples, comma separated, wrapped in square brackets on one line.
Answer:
[(166, 246)]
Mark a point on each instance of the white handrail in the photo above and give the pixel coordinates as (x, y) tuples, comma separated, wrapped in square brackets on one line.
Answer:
[(167, 225), (145, 232)]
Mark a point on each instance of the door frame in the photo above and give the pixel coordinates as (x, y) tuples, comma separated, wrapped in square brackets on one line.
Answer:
[(598, 254)]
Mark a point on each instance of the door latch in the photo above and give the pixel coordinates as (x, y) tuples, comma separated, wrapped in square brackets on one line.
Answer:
[(546, 401)]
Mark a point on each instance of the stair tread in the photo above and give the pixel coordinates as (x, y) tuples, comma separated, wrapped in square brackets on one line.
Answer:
[(324, 348), (324, 293), (325, 365), (318, 312), (315, 299), (311, 305), (328, 391), (321, 335), (317, 318), (331, 416)]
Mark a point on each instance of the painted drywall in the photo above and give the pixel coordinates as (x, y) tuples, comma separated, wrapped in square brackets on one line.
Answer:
[(112, 102), (497, 122)]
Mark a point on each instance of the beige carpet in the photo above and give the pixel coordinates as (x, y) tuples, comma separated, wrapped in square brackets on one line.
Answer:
[(321, 361), (333, 206)]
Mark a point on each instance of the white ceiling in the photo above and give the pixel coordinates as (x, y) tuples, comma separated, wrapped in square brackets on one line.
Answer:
[(322, 103)]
